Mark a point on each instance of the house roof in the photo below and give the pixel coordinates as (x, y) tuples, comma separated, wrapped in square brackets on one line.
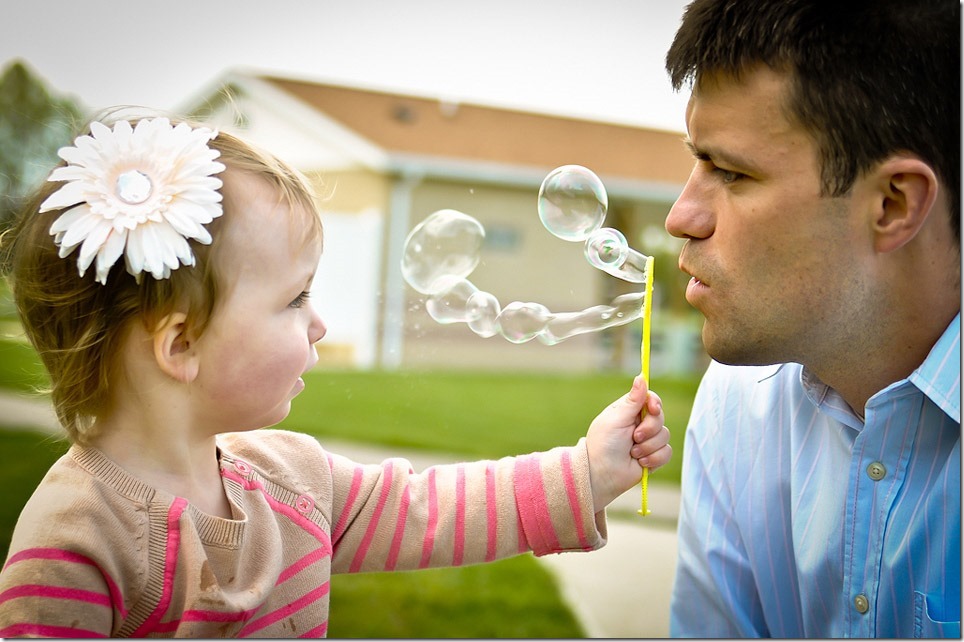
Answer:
[(423, 127)]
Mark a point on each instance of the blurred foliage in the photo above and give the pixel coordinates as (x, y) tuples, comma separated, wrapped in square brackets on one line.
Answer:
[(34, 124)]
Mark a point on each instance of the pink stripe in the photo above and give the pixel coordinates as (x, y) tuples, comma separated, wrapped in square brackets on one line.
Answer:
[(285, 611), (534, 510), (197, 615), (41, 630), (318, 632), (359, 559), (286, 510), (392, 560), (491, 514), (458, 553), (76, 558), (166, 627), (55, 593), (300, 565), (428, 544), (170, 566), (349, 504), (570, 485)]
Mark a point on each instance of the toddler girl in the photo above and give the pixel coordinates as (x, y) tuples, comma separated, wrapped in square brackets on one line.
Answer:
[(163, 277)]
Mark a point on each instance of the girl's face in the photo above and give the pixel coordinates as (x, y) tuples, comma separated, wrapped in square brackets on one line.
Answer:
[(261, 336)]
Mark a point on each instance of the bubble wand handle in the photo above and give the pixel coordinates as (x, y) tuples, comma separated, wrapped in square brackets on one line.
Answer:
[(644, 371)]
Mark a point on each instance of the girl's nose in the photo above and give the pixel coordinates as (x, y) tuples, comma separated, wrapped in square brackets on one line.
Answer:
[(317, 328)]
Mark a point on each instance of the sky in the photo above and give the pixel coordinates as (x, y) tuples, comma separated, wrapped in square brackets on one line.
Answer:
[(600, 60)]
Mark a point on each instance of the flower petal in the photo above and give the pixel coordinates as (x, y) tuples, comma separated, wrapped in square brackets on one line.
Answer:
[(69, 194), (92, 245), (110, 251), (187, 219), (82, 228)]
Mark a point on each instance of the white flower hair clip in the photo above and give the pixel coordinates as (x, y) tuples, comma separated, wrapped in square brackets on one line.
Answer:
[(139, 191)]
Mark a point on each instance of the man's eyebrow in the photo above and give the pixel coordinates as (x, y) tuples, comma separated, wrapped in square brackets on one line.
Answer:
[(729, 159)]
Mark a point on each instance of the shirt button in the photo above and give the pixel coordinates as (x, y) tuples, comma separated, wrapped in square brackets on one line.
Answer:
[(861, 604), (876, 471)]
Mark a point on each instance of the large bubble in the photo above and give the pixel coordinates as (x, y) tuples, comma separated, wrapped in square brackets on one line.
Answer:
[(572, 202), (446, 244)]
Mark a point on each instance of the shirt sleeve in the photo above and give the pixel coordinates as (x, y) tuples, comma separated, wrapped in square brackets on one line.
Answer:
[(387, 517), (53, 592), (714, 594)]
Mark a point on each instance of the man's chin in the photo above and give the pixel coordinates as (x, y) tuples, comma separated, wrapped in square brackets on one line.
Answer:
[(736, 351)]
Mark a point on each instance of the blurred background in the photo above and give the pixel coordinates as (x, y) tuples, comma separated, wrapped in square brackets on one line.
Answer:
[(394, 111)]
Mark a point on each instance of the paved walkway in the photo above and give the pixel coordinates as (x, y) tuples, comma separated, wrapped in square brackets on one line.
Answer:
[(621, 590)]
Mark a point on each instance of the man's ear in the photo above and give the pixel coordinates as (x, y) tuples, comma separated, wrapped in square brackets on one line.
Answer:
[(907, 190), (174, 348)]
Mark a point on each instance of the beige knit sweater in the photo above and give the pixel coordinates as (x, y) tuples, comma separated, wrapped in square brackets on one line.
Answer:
[(96, 552)]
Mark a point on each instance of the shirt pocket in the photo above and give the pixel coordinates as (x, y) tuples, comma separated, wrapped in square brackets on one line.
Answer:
[(925, 627)]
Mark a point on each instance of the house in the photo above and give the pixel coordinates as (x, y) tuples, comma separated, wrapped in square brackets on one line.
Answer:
[(382, 162)]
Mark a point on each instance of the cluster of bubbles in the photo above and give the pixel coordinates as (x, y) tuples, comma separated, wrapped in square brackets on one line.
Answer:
[(441, 252)]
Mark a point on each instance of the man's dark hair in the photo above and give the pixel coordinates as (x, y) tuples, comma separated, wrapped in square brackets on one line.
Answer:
[(868, 77)]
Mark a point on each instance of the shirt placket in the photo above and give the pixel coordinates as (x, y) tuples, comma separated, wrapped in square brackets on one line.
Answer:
[(877, 471)]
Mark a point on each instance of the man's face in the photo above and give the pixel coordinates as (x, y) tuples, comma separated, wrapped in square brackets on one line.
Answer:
[(774, 264)]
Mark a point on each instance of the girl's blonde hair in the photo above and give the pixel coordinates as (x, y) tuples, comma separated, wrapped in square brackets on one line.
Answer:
[(78, 325)]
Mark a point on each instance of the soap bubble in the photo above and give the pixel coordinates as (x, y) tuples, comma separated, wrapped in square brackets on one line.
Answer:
[(572, 202), (623, 309), (483, 310), (521, 322), (441, 252), (449, 303), (608, 250), (447, 243)]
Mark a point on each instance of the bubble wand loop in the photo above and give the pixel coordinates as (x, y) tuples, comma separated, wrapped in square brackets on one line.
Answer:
[(644, 370)]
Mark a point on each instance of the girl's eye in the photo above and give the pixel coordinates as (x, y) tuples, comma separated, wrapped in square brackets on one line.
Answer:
[(300, 300)]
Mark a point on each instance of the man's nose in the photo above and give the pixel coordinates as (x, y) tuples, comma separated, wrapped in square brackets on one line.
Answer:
[(692, 215)]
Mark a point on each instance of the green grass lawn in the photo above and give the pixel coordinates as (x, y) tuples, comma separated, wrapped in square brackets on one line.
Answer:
[(478, 415)]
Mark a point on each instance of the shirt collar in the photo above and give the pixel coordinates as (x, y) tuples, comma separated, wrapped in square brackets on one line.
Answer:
[(938, 377)]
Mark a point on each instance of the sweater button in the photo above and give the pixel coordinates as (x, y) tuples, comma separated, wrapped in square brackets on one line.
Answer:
[(304, 504)]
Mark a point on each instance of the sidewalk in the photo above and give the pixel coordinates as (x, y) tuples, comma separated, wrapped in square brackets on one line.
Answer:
[(619, 591)]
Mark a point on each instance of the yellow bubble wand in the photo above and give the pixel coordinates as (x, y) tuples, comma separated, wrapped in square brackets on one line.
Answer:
[(644, 370)]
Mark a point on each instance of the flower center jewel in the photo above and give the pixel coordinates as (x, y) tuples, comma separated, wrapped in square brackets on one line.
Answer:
[(134, 187)]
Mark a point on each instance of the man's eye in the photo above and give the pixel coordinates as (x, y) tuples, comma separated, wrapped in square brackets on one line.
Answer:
[(300, 300), (727, 176)]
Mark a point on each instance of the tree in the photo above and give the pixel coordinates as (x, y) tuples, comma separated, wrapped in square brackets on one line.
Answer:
[(34, 124)]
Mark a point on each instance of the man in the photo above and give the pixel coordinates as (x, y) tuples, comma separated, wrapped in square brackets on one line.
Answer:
[(821, 470)]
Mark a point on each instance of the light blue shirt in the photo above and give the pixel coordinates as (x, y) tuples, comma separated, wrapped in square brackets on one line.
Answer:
[(799, 519)]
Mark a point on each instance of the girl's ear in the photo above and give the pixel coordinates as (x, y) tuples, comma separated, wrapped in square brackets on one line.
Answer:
[(174, 349)]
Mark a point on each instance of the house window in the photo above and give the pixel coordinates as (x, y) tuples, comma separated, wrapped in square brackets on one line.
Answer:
[(502, 238)]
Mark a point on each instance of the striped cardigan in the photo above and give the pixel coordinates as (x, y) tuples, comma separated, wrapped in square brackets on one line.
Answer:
[(96, 552)]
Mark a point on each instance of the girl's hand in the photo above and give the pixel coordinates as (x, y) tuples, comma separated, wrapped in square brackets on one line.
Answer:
[(626, 437)]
